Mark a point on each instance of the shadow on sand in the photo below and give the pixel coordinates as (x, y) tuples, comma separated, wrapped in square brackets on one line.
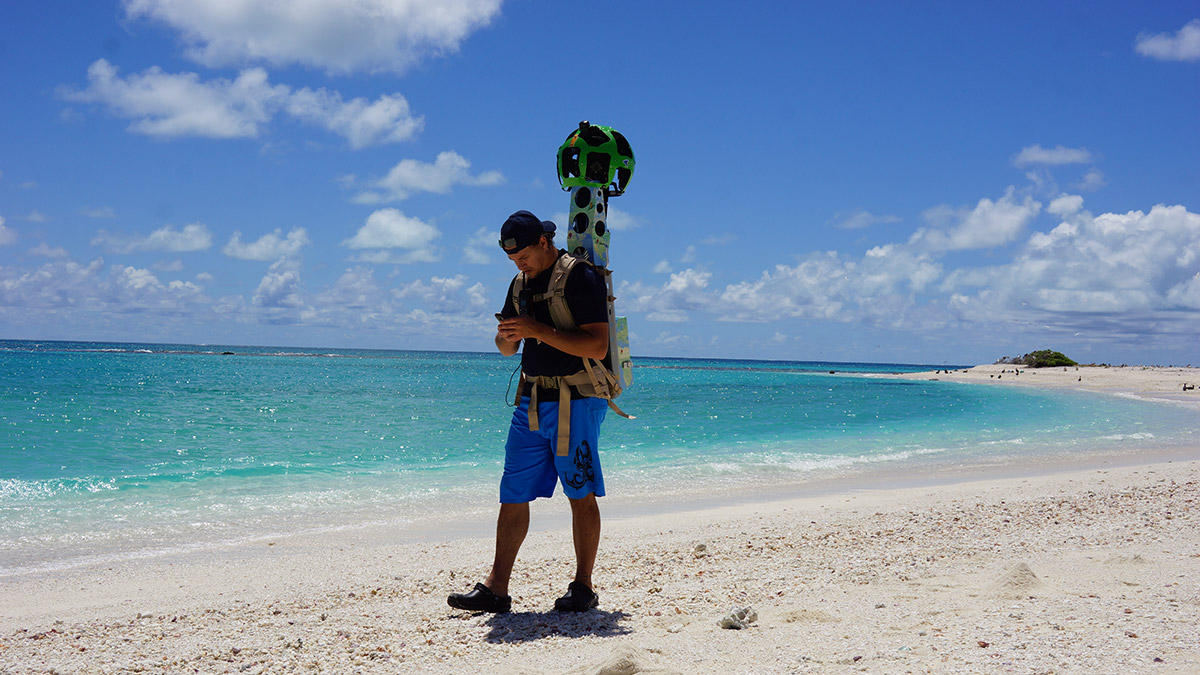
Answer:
[(529, 626)]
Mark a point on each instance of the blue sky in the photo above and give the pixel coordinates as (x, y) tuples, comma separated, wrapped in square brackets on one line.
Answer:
[(890, 182)]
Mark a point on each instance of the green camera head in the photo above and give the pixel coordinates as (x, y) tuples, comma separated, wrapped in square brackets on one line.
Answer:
[(595, 156)]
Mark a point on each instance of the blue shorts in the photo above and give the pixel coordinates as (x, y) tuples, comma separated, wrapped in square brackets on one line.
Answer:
[(531, 464)]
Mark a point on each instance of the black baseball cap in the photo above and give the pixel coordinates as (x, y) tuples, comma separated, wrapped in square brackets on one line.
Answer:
[(523, 229)]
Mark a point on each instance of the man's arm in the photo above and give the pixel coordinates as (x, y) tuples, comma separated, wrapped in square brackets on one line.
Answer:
[(589, 340), (506, 348)]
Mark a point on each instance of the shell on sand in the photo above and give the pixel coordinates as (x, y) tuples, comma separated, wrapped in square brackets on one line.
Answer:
[(807, 616), (624, 660), (1020, 580)]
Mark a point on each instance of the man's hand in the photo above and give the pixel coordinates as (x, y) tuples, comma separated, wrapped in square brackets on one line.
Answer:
[(590, 340), (519, 328)]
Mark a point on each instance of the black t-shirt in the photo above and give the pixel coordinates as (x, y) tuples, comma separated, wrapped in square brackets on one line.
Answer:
[(586, 295)]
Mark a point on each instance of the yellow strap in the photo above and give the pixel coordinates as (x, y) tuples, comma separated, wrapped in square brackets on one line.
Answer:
[(533, 405), (588, 364), (564, 420), (620, 412)]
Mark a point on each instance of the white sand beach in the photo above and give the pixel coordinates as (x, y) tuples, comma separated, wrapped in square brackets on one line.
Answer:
[(1175, 384), (1086, 570)]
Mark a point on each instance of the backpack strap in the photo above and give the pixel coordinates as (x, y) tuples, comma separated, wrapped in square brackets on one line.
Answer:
[(564, 407), (517, 287), (555, 295), (620, 412), (556, 290)]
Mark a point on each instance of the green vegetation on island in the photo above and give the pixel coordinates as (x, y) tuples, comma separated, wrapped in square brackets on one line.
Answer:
[(1043, 358)]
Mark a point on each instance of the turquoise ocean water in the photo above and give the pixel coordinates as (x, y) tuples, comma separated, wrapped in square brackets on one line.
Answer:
[(114, 451)]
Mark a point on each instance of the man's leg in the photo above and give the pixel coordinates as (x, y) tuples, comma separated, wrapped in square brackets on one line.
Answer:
[(511, 527), (585, 527)]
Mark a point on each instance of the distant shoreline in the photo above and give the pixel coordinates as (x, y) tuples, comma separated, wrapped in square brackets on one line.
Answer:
[(1153, 383), (14, 344)]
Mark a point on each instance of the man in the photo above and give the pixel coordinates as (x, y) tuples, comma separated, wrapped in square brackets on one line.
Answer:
[(533, 462)]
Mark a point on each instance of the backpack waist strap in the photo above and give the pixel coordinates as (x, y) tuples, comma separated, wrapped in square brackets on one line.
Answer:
[(564, 384)]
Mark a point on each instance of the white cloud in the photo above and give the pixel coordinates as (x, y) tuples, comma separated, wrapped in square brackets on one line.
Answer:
[(36, 217), (356, 300), (7, 234), (687, 281), (1182, 46), (132, 290), (621, 221), (663, 267), (169, 105), (391, 229), (670, 339), (65, 291), (880, 251), (448, 295), (92, 297), (1092, 180), (878, 288), (478, 248), (411, 176), (683, 292), (280, 289), (134, 278), (44, 250), (883, 287), (1036, 154), (166, 105), (989, 224), (362, 123), (369, 198), (1115, 267), (1065, 205), (356, 291), (194, 237), (388, 257), (340, 37), (856, 220), (47, 286), (1186, 294), (271, 246)]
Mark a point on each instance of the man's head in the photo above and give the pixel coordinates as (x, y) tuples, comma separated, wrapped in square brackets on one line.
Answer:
[(529, 242)]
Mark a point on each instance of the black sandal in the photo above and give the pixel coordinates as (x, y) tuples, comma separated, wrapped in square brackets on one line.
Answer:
[(480, 599), (579, 598)]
